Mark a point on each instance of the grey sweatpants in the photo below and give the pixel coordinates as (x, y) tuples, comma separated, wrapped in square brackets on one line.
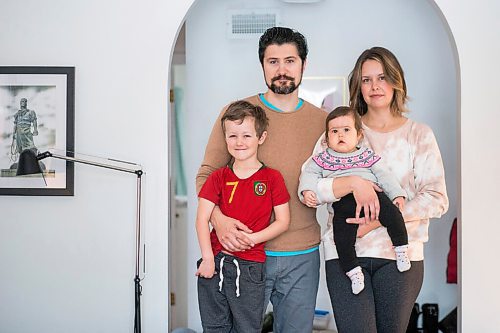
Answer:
[(238, 306), (291, 286)]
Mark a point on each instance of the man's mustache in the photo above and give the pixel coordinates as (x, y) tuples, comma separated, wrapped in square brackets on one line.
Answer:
[(282, 77)]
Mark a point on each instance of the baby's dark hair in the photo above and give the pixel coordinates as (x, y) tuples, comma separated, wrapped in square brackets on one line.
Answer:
[(341, 111), (239, 110), (280, 36)]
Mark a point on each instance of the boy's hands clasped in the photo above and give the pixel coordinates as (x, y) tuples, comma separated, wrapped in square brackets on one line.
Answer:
[(229, 232)]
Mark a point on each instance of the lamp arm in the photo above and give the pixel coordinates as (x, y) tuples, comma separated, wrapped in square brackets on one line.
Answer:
[(46, 154), (138, 172)]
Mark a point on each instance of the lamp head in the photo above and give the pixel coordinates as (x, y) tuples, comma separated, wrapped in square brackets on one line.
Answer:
[(28, 162)]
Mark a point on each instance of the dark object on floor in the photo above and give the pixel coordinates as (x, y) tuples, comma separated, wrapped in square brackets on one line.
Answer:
[(430, 315), (267, 323), (413, 323), (449, 323)]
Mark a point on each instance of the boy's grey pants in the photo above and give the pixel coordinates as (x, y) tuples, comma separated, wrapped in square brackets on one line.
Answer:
[(235, 305)]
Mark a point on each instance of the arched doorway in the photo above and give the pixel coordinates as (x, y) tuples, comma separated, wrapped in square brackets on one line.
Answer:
[(216, 62)]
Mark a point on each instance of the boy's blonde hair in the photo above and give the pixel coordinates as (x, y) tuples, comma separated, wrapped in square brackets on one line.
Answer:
[(239, 110)]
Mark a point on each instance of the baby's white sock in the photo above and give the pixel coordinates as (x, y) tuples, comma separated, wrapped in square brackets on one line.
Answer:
[(402, 259), (357, 279)]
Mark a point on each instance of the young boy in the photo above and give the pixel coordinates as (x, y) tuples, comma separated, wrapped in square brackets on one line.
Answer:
[(231, 285)]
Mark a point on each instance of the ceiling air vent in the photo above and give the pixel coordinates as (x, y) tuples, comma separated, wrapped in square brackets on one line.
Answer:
[(250, 23)]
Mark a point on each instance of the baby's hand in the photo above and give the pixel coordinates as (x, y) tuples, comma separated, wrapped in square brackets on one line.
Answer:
[(400, 202), (206, 269), (309, 198)]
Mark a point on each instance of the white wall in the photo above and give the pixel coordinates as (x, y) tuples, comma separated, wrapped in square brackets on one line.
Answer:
[(475, 27), (220, 70), (46, 283), (67, 263)]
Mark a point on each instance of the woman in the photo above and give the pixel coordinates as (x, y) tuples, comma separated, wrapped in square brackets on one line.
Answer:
[(378, 92)]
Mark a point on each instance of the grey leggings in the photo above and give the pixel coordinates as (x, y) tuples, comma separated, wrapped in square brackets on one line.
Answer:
[(384, 306)]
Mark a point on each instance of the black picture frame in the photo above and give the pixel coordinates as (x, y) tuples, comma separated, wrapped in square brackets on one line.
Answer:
[(45, 120)]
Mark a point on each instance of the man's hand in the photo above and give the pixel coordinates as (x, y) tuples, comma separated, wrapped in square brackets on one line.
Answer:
[(229, 233), (309, 199)]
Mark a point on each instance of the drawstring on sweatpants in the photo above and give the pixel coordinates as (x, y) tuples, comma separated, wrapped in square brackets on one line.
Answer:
[(237, 278), (221, 274), (238, 272)]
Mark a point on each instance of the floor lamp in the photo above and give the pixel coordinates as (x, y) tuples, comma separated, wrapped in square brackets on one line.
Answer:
[(28, 164)]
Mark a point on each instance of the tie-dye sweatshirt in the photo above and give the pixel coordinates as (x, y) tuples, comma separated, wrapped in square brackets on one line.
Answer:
[(412, 155)]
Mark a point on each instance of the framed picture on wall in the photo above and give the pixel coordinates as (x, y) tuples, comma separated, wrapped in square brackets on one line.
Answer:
[(325, 92), (36, 113)]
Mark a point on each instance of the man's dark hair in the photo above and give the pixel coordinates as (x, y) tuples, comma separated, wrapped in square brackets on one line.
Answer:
[(280, 36)]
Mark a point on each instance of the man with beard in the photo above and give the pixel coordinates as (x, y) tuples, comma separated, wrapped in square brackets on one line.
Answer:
[(292, 264)]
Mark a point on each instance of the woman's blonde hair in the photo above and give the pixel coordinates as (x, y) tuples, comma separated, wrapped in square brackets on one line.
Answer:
[(393, 74)]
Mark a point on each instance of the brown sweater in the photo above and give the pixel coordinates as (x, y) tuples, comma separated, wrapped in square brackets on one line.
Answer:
[(290, 141)]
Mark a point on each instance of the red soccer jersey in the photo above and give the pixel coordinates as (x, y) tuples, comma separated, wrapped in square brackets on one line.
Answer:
[(250, 201)]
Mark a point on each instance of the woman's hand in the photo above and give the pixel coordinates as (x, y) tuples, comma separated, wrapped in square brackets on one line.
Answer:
[(399, 202), (364, 228), (229, 233), (366, 199)]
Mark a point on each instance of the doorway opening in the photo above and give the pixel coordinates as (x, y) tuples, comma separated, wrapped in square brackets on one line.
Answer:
[(208, 66)]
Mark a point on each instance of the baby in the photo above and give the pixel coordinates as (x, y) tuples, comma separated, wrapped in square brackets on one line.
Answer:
[(344, 157)]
